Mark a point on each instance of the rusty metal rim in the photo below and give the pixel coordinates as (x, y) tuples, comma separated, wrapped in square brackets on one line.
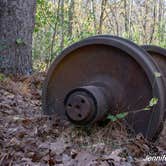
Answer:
[(132, 49), (158, 50), (155, 49)]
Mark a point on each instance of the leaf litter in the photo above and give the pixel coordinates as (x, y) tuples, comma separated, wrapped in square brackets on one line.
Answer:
[(27, 137)]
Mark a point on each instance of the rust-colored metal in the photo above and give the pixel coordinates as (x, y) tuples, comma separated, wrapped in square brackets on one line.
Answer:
[(159, 56), (87, 104), (104, 75)]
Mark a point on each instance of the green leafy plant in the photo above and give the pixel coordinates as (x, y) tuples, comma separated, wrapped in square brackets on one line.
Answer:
[(122, 115), (2, 77), (152, 103), (157, 74), (114, 118)]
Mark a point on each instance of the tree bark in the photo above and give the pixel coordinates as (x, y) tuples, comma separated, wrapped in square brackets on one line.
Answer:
[(55, 32), (103, 5), (70, 13), (126, 16), (153, 24), (94, 15), (62, 24), (145, 21), (16, 28)]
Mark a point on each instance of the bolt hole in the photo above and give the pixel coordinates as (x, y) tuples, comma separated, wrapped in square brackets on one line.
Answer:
[(79, 115), (82, 101), (77, 106), (69, 105)]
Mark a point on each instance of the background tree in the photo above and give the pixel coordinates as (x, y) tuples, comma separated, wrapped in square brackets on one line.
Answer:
[(61, 23), (16, 28)]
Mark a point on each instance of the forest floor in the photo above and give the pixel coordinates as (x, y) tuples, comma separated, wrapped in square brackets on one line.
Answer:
[(28, 138)]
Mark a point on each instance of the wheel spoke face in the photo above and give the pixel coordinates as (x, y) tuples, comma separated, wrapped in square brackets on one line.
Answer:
[(100, 76)]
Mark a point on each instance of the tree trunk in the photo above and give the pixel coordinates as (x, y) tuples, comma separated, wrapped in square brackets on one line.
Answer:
[(16, 28), (70, 13), (145, 21), (94, 15), (153, 24), (126, 16), (103, 5), (62, 24), (55, 32)]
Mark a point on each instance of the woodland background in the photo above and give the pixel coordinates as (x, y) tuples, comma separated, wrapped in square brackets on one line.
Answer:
[(34, 32), (59, 23)]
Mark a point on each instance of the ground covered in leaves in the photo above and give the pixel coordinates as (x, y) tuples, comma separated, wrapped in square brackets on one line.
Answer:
[(27, 137)]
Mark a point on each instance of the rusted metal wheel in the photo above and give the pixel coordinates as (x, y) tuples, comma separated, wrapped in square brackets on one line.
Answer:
[(104, 75), (159, 57)]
